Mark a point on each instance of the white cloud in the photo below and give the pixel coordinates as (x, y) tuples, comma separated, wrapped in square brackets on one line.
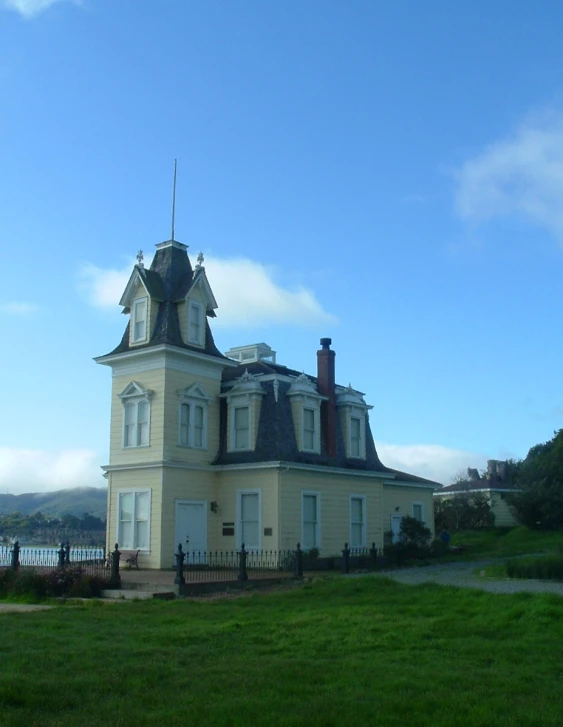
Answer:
[(246, 292), (429, 460), (29, 8), (520, 176), (14, 308), (37, 470)]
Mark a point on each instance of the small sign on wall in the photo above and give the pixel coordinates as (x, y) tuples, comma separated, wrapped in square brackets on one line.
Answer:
[(228, 529), (267, 531)]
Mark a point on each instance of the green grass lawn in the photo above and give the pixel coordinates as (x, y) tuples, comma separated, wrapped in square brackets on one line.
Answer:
[(506, 542), (358, 651)]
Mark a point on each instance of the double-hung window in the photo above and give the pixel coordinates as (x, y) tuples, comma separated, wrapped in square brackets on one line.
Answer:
[(136, 423), (139, 320), (133, 527), (193, 425), (357, 521), (241, 427), (310, 520), (418, 511), (249, 520), (195, 322), (309, 430), (355, 437)]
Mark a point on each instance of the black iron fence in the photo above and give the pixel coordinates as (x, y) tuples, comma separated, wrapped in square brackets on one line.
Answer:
[(91, 560), (250, 565)]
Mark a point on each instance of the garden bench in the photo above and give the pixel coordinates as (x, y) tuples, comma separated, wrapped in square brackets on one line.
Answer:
[(131, 558)]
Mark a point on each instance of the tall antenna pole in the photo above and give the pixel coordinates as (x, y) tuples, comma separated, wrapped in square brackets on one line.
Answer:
[(174, 199)]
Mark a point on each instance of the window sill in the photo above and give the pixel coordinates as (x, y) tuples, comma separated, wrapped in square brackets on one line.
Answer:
[(190, 446), (136, 446)]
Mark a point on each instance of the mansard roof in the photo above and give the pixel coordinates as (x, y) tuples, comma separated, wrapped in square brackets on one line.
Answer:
[(276, 441), (170, 273)]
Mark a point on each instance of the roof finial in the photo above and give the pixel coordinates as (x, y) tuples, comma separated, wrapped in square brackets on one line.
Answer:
[(200, 261), (174, 199), (140, 259)]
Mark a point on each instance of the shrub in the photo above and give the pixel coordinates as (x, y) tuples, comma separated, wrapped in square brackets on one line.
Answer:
[(29, 583), (7, 578), (547, 568)]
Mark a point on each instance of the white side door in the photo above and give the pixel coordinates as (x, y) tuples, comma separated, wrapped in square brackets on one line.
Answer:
[(396, 527), (191, 527)]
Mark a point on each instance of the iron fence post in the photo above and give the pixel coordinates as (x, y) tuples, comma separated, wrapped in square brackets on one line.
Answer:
[(298, 561), (67, 552), (16, 556), (346, 557), (242, 574), (62, 555), (180, 555), (373, 554), (115, 556)]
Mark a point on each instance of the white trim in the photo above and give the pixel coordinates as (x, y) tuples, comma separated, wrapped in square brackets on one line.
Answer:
[(168, 350), (133, 491), (364, 520), (171, 243), (135, 400), (191, 502), (481, 489), (238, 527), (233, 447), (136, 302), (318, 538), (418, 502), (316, 448)]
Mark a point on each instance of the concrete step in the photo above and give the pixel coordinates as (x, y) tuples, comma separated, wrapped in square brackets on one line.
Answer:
[(132, 593)]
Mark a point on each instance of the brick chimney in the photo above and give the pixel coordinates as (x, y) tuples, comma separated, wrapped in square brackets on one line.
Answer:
[(326, 385)]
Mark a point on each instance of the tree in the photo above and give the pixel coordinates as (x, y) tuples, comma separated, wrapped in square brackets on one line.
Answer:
[(539, 478), (463, 511)]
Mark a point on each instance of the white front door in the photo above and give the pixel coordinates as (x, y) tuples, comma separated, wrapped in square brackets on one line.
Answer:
[(396, 527), (191, 525)]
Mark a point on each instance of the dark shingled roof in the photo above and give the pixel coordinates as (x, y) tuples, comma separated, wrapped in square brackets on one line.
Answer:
[(275, 439), (169, 274)]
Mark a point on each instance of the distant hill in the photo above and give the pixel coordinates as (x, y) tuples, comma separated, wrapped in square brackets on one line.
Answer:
[(75, 501)]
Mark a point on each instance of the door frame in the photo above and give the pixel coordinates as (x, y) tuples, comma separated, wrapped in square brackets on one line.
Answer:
[(190, 502), (238, 531)]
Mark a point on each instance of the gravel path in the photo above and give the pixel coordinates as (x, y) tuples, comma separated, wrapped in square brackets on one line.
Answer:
[(462, 575), (22, 607)]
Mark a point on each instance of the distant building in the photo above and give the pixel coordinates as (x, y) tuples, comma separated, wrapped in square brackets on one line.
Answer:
[(213, 451), (495, 484)]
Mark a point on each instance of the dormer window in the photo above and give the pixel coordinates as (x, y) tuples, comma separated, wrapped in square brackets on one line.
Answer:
[(243, 406), (194, 404), (353, 410), (196, 322), (139, 320), (306, 410), (136, 415)]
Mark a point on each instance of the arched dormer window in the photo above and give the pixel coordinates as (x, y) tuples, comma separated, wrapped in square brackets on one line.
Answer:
[(243, 413), (192, 417), (136, 415), (306, 410), (353, 412)]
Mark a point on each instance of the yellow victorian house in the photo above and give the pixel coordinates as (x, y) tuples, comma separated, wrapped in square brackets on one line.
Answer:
[(213, 450)]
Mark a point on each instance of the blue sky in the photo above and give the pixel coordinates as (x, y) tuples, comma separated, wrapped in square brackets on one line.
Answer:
[(387, 174)]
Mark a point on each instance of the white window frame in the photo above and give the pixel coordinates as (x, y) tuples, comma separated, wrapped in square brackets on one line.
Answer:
[(198, 340), (318, 541), (315, 408), (134, 306), (247, 448), (238, 530), (192, 397), (421, 504), (133, 492), (364, 521), (134, 395)]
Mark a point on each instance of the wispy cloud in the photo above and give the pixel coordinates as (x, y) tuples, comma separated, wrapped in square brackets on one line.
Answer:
[(37, 470), (519, 176), (17, 309), (30, 8), (429, 460), (247, 293)]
